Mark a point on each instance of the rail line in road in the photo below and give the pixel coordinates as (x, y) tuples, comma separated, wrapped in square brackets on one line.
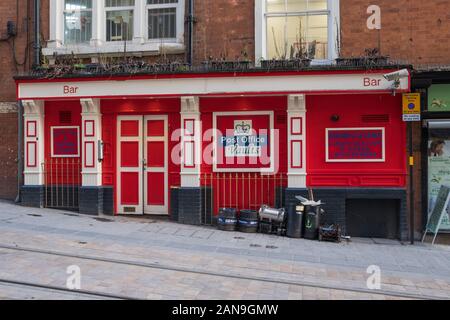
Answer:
[(237, 276), (74, 293)]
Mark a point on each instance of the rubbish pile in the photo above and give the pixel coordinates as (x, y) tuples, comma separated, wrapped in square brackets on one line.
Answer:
[(301, 220)]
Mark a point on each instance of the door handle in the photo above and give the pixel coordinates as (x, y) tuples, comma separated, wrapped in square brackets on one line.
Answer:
[(144, 164)]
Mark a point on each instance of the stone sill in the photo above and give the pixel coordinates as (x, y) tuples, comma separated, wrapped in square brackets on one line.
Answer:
[(113, 49)]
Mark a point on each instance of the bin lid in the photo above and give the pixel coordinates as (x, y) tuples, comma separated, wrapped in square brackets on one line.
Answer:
[(309, 203)]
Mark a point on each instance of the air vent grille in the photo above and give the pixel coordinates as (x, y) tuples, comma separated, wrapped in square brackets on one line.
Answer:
[(65, 117), (375, 118)]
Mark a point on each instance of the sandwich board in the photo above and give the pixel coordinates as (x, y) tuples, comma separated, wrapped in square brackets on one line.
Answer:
[(440, 208)]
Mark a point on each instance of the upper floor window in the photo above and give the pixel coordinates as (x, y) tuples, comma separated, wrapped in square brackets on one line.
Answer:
[(119, 20), (77, 21), (293, 29), (162, 19), (91, 26)]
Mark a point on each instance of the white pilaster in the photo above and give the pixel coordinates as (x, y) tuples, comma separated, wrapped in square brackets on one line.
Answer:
[(91, 138), (191, 147), (296, 141), (98, 31), (56, 24), (139, 22), (33, 142)]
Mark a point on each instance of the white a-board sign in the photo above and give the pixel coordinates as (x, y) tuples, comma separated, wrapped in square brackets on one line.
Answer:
[(440, 209)]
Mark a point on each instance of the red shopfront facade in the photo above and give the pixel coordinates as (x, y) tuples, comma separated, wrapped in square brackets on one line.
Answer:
[(184, 145)]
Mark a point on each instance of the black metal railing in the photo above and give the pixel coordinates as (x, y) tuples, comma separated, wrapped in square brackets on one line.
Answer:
[(62, 183), (240, 191)]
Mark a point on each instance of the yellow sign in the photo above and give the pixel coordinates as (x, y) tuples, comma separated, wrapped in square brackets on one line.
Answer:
[(411, 103), (411, 107)]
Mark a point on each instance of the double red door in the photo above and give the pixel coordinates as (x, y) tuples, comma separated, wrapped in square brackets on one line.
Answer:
[(142, 165)]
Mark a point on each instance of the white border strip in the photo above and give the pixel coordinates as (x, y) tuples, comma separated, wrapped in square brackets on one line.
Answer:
[(78, 141), (322, 83), (327, 151)]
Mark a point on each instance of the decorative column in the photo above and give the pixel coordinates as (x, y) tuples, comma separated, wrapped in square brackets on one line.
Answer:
[(296, 146), (190, 142), (189, 195), (139, 22), (91, 192), (98, 28), (32, 192)]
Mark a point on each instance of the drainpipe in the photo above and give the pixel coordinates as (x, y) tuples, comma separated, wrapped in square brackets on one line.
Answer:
[(37, 33), (19, 149), (190, 20)]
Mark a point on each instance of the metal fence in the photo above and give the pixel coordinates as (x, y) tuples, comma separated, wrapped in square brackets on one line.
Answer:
[(62, 183), (240, 191)]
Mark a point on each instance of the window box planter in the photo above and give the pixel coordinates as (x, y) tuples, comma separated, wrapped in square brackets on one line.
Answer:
[(363, 61), (285, 64), (226, 65)]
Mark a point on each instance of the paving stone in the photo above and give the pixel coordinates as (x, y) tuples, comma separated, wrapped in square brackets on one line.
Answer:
[(418, 269)]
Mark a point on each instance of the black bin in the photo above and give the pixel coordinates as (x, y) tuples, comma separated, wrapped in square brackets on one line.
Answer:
[(295, 221), (227, 219), (312, 223)]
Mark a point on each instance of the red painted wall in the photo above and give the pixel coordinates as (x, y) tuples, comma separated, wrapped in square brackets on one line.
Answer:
[(278, 104), (62, 170), (246, 190), (356, 111)]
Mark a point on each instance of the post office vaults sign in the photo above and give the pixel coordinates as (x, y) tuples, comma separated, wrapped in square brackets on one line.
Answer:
[(243, 141)]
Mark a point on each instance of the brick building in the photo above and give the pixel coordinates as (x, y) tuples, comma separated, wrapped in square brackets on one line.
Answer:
[(15, 57), (101, 31)]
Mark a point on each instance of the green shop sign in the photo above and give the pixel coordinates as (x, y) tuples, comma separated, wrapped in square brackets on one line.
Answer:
[(439, 97)]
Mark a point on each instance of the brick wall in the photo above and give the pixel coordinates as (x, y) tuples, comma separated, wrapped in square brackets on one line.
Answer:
[(224, 29), (15, 58), (8, 151), (415, 31)]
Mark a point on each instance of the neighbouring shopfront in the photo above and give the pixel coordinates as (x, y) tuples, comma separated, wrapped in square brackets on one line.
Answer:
[(186, 144), (438, 152)]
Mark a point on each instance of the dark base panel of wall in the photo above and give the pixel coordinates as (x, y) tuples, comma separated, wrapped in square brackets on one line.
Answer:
[(174, 204), (32, 196), (362, 212), (108, 201), (96, 200), (207, 206), (91, 200), (190, 206)]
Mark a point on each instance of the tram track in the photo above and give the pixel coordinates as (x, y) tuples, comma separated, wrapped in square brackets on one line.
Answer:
[(78, 293), (236, 276)]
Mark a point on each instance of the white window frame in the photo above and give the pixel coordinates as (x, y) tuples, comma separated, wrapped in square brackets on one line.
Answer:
[(123, 8), (179, 6), (86, 10), (333, 12), (98, 43)]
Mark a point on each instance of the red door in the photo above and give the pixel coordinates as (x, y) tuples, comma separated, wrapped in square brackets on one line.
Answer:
[(156, 165), (142, 165)]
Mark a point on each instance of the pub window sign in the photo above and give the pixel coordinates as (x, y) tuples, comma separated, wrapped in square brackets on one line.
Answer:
[(244, 141), (65, 142)]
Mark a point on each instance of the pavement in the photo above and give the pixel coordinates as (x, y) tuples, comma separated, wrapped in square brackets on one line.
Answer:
[(146, 258)]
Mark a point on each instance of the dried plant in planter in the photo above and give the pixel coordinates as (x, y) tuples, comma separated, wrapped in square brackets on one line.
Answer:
[(298, 54), (371, 58)]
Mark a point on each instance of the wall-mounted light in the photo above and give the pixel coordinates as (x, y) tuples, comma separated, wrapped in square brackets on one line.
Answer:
[(335, 118), (100, 151)]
